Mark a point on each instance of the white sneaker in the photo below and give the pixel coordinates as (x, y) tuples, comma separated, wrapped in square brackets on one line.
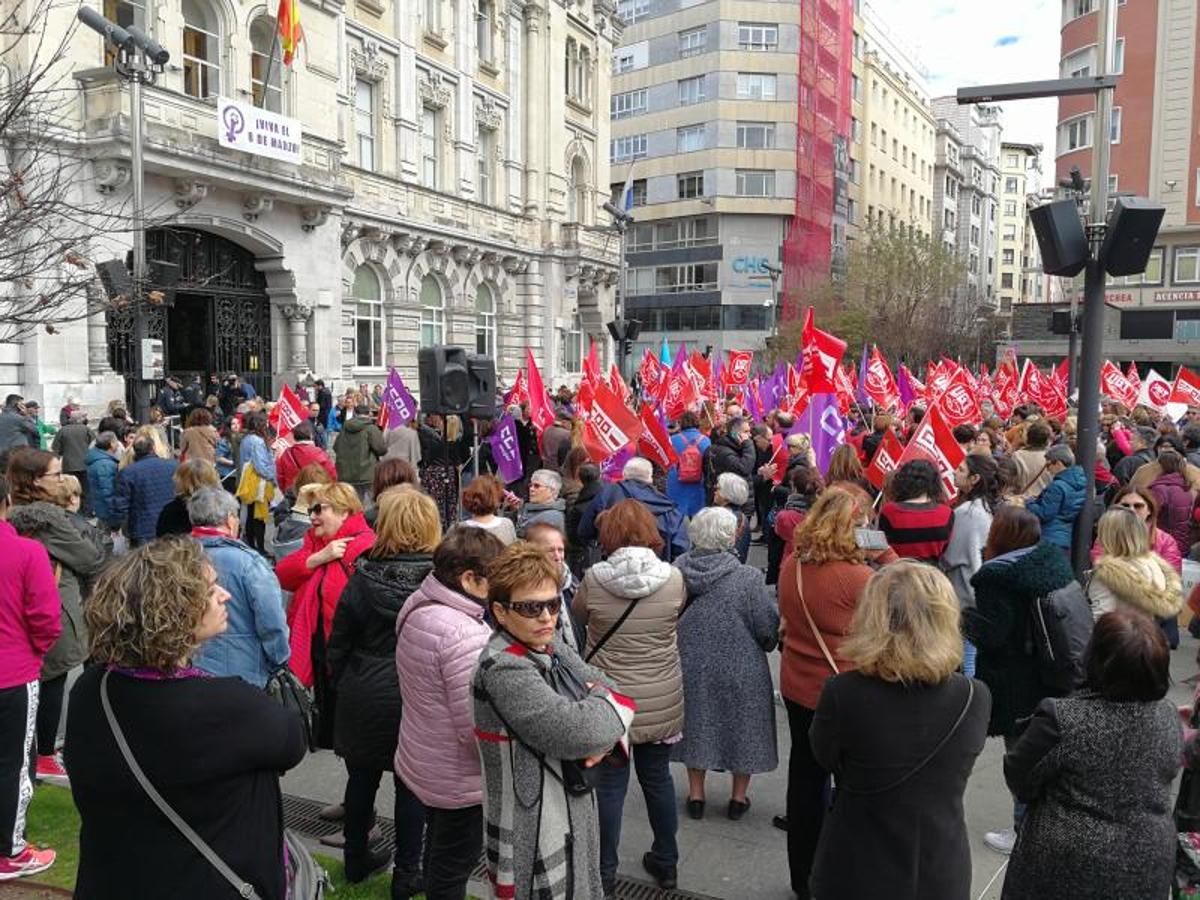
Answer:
[(1001, 841)]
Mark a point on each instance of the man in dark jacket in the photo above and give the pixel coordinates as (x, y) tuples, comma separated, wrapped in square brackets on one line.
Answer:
[(1141, 442), (358, 447), (71, 444), (324, 401), (143, 489), (635, 484), (170, 397), (1059, 504), (732, 451), (16, 428), (556, 442)]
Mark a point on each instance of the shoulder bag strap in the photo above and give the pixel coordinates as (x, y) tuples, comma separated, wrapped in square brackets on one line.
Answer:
[(811, 624), (1041, 471), (611, 631), (932, 753), (243, 888)]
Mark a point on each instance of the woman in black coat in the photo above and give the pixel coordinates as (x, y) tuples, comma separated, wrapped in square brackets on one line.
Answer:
[(901, 735), (1018, 568), (362, 657), (1096, 771)]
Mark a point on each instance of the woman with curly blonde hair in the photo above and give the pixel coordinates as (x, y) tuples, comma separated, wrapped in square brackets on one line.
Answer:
[(213, 746), (161, 450), (900, 735), (819, 589)]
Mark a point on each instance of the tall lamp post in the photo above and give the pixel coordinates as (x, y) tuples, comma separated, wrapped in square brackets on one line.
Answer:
[(774, 272), (140, 60), (624, 331)]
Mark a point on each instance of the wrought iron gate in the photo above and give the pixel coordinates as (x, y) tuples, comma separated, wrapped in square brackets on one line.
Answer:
[(222, 275)]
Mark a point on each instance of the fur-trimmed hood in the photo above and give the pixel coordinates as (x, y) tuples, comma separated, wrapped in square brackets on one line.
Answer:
[(1145, 582)]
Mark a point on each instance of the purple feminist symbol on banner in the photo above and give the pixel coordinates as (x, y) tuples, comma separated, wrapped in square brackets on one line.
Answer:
[(235, 123), (401, 407), (507, 451)]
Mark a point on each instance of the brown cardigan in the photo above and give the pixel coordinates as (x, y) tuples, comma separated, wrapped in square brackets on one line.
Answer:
[(199, 442), (831, 592)]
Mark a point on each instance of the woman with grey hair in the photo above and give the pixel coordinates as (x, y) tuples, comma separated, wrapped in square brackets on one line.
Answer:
[(726, 628), (733, 493)]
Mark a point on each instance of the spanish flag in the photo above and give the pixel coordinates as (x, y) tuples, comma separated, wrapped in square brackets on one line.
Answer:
[(290, 32)]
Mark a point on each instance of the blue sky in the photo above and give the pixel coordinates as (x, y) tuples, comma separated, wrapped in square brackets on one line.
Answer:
[(973, 42)]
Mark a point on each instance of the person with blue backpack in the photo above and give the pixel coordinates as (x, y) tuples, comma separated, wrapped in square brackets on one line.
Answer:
[(685, 479)]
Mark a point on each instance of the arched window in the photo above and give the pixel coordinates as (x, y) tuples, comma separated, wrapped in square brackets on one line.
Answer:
[(201, 50), (368, 318), (262, 35), (433, 312), (577, 192), (485, 321)]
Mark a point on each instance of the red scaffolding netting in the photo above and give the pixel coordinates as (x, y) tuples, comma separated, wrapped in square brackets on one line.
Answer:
[(822, 139)]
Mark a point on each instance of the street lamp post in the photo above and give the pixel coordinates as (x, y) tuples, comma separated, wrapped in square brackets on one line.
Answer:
[(622, 330), (774, 272), (140, 60)]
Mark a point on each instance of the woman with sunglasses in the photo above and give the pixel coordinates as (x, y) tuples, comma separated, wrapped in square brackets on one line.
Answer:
[(543, 720), (630, 604), (1142, 503), (316, 574)]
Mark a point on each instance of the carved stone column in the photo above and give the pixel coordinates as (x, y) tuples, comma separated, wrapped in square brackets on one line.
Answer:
[(297, 315), (97, 333)]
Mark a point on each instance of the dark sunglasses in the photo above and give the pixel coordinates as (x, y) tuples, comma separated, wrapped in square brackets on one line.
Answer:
[(532, 609), (315, 509)]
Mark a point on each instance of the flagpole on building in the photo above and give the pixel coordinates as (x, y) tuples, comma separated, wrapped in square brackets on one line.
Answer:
[(266, 89)]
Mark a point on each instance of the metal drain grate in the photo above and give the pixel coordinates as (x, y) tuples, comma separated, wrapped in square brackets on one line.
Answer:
[(301, 815)]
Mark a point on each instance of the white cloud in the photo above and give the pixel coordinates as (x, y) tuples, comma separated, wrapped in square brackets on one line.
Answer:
[(970, 42)]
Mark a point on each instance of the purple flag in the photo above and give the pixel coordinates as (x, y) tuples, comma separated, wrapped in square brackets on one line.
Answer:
[(904, 386), (611, 469), (826, 427), (773, 390), (401, 407), (506, 450), (860, 390), (752, 405)]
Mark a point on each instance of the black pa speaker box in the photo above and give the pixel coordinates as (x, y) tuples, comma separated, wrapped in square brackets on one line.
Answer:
[(1132, 230), (116, 279), (445, 384), (481, 376), (1060, 237)]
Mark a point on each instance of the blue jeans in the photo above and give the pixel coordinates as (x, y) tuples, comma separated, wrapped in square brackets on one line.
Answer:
[(653, 764), (970, 653)]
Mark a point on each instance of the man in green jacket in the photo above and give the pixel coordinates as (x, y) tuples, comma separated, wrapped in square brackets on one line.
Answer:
[(358, 447)]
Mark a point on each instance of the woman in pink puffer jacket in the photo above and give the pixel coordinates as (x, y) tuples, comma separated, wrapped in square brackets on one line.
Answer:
[(439, 634)]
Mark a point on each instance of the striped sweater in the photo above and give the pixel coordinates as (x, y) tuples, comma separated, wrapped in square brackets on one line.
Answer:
[(541, 842), (917, 530)]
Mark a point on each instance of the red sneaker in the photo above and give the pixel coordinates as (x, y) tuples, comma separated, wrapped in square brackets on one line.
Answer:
[(29, 861), (50, 769)]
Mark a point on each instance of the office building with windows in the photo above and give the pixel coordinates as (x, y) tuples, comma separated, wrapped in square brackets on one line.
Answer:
[(1152, 318), (454, 157), (1018, 270), (703, 111), (966, 195)]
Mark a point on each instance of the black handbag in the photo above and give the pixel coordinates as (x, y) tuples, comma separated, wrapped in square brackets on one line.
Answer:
[(287, 689)]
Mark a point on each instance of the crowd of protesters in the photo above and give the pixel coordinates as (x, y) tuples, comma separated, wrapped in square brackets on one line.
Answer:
[(507, 652)]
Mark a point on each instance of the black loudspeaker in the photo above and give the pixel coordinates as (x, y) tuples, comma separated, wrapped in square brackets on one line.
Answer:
[(116, 279), (1132, 230), (1060, 237), (481, 375), (162, 277), (445, 383)]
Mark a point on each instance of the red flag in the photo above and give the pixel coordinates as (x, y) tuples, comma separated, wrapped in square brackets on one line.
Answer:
[(517, 394), (1062, 375), (845, 390), (1007, 393), (541, 410), (287, 413), (655, 443), (879, 384), (957, 401), (1034, 387), (1132, 376), (738, 370), (779, 458), (681, 393), (1186, 388), (654, 378), (1114, 384), (287, 22), (934, 441), (699, 369), (823, 354), (887, 454), (611, 426), (617, 383), (591, 363), (936, 379), (585, 394)]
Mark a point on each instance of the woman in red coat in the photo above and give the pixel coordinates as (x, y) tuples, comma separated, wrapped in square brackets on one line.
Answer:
[(316, 574)]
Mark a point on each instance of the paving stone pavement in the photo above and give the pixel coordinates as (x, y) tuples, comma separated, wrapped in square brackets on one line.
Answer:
[(748, 859)]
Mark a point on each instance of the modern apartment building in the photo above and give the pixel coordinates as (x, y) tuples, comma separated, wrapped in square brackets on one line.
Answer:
[(452, 161), (1017, 278), (704, 110), (897, 130), (1155, 153), (966, 194)]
